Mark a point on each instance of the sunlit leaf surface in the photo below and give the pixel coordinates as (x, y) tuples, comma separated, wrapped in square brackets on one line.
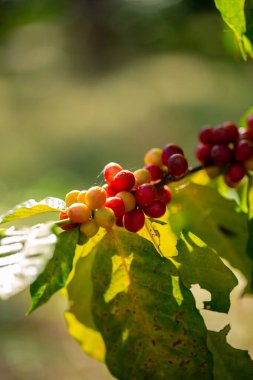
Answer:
[(24, 253)]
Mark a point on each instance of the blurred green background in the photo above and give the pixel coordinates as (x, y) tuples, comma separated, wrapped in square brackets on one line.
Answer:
[(85, 82)]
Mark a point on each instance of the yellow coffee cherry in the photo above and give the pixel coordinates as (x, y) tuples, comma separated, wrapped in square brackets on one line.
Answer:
[(104, 217), (89, 229), (213, 171), (142, 176), (154, 157), (95, 197), (71, 197), (79, 213), (81, 196), (128, 199)]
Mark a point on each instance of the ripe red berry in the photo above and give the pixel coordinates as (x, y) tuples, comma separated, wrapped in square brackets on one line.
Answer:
[(169, 150), (177, 165), (119, 221), (220, 135), (124, 181), (203, 153), (243, 150), (110, 190), (117, 205), (134, 220), (145, 194), (231, 184), (233, 132), (221, 154), (155, 171), (69, 226), (156, 209), (205, 135), (246, 134), (163, 194), (236, 172), (110, 170), (250, 121)]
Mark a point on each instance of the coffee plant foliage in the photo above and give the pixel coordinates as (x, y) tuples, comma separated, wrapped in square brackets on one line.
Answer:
[(128, 255)]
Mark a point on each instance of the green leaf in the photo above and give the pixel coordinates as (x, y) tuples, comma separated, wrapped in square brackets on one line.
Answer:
[(79, 318), (31, 207), (148, 319), (214, 219), (56, 273), (201, 265), (24, 253), (232, 12), (229, 363), (243, 119)]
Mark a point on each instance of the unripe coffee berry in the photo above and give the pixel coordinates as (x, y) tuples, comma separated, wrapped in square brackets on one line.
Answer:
[(154, 157), (95, 197), (128, 199), (81, 196), (69, 226), (71, 197), (142, 176), (104, 217), (89, 228), (79, 213)]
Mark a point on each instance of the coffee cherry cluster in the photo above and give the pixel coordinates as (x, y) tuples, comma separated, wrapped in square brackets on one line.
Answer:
[(229, 148), (127, 197)]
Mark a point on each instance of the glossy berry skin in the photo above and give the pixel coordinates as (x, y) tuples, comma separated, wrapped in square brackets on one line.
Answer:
[(155, 171), (232, 130), (243, 150), (142, 176), (236, 172), (168, 151), (110, 190), (89, 228), (221, 154), (124, 181), (110, 170), (128, 199), (70, 226), (134, 220), (71, 197), (153, 157), (145, 194), (79, 213), (104, 217), (156, 209), (250, 121), (117, 206), (177, 165), (203, 153), (220, 135), (163, 194), (81, 196), (205, 135), (95, 197)]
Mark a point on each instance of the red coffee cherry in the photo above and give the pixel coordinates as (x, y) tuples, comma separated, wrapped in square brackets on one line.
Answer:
[(233, 132), (145, 194), (221, 154), (203, 153), (117, 205), (220, 135), (231, 184), (155, 171), (169, 150), (205, 135), (236, 172), (124, 181), (134, 220), (110, 170), (69, 226), (110, 190), (177, 165), (156, 209), (246, 134), (243, 150), (163, 194)]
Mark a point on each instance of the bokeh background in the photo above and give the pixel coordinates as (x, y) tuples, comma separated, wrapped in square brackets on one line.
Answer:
[(85, 82)]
